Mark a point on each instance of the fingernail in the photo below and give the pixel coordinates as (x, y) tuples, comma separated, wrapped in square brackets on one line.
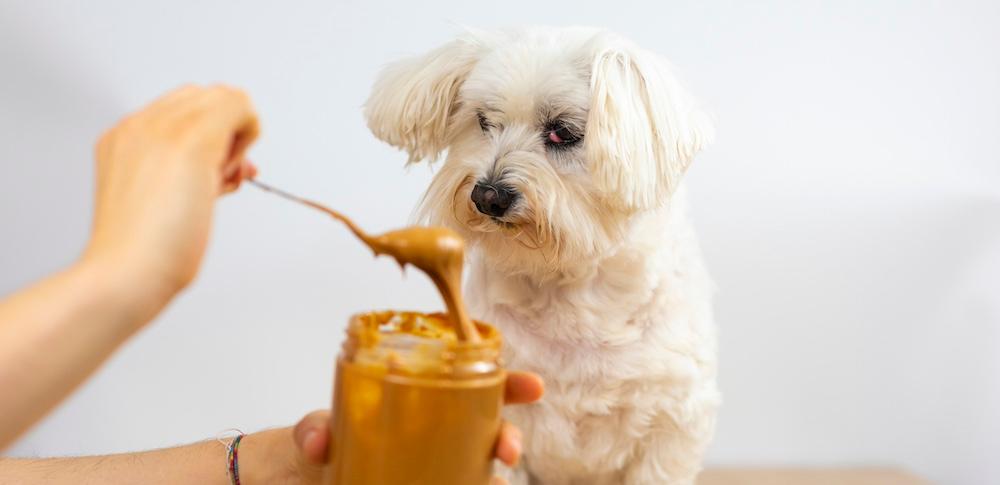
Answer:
[(309, 437)]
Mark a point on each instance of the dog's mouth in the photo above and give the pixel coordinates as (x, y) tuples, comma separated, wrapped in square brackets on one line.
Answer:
[(505, 225), (517, 226), (512, 225), (502, 223), (486, 223)]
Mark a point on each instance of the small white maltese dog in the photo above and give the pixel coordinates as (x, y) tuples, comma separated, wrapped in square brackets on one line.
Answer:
[(565, 152)]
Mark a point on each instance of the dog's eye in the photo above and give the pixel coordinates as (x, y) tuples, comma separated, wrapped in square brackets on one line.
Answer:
[(558, 135), (484, 124)]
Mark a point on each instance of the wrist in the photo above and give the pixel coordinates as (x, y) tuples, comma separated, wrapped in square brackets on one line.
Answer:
[(269, 457), (136, 296)]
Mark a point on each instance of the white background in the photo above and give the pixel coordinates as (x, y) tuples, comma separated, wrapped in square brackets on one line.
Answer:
[(849, 211)]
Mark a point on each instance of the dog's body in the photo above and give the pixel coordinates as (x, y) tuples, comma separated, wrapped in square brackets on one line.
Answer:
[(565, 150), (627, 352)]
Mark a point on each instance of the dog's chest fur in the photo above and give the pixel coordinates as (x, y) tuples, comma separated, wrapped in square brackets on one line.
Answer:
[(626, 348)]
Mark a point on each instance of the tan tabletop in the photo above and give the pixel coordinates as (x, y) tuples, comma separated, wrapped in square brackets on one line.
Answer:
[(808, 476)]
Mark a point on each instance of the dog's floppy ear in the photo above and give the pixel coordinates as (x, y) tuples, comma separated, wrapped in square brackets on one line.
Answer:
[(412, 103), (643, 128)]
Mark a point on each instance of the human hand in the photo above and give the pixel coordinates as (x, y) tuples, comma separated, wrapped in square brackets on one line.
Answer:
[(312, 434), (159, 171)]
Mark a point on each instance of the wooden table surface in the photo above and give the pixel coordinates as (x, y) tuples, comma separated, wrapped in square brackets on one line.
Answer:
[(808, 476)]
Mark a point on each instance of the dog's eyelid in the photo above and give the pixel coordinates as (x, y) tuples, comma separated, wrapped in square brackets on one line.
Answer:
[(567, 123), (576, 129), (484, 123)]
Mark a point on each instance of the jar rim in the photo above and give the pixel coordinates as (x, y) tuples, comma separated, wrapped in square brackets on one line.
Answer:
[(363, 328)]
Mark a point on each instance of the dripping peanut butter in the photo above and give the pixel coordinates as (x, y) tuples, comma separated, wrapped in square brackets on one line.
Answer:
[(417, 397), (437, 251)]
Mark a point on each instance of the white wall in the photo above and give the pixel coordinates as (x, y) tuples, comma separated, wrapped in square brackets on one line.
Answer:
[(850, 211)]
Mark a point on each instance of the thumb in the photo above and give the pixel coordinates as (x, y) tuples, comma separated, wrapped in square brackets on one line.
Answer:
[(312, 436)]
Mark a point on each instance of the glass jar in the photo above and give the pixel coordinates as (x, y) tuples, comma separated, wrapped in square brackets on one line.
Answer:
[(413, 405)]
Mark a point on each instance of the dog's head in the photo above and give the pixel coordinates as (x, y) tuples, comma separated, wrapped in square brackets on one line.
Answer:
[(556, 139)]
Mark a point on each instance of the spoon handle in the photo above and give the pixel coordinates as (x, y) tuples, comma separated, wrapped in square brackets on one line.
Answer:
[(315, 205)]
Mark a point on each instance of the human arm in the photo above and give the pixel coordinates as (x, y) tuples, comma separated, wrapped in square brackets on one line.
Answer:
[(159, 172)]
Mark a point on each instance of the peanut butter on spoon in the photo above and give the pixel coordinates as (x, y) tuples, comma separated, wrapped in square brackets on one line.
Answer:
[(437, 251)]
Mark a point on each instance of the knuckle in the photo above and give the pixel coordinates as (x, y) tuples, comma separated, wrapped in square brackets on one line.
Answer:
[(187, 88), (314, 421), (318, 416), (232, 93), (104, 140)]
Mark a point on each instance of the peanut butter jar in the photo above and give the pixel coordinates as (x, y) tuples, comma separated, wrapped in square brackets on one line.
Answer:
[(414, 405)]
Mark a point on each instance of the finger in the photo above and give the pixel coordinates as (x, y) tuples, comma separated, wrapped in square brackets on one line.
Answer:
[(232, 178), (498, 481), (249, 170), (312, 436), (181, 92), (523, 387), (509, 444), (161, 108), (218, 111), (245, 134), (231, 170), (173, 99), (235, 111)]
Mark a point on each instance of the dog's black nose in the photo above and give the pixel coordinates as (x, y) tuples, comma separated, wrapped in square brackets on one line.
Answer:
[(491, 199)]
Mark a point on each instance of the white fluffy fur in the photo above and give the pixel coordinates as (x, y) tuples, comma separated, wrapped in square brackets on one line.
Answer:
[(594, 274)]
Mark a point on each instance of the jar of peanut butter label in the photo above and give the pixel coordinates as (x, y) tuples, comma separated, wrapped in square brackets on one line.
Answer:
[(413, 404)]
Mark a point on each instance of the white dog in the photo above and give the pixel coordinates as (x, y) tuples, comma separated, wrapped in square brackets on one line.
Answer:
[(565, 152)]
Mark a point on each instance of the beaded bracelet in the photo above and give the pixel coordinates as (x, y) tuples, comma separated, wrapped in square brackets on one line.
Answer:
[(233, 457)]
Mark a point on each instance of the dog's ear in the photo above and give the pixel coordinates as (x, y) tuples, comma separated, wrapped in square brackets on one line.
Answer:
[(643, 128), (412, 104)]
